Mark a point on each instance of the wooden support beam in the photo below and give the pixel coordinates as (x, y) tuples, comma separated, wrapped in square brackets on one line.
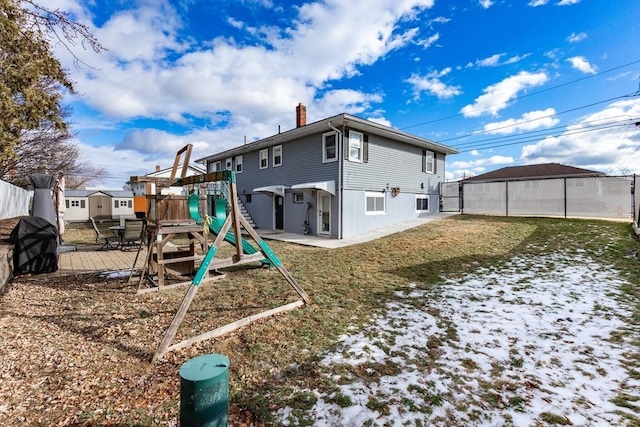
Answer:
[(235, 325), (173, 327), (228, 262), (177, 285), (236, 214), (185, 164), (207, 177)]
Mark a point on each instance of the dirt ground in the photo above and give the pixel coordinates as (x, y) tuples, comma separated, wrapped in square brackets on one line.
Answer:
[(6, 226)]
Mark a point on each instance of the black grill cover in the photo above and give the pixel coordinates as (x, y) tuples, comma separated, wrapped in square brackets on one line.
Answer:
[(35, 243)]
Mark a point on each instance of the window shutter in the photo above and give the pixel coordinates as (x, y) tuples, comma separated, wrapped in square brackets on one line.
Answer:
[(345, 145), (435, 163), (115, 204), (129, 204), (365, 149), (424, 160), (66, 203), (82, 204)]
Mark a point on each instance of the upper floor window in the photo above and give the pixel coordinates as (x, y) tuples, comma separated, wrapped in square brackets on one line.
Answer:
[(355, 146), (228, 164), (264, 158), (428, 161), (277, 155), (216, 167), (329, 147), (238, 164)]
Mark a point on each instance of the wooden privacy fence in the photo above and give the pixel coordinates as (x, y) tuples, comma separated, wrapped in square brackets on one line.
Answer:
[(605, 197)]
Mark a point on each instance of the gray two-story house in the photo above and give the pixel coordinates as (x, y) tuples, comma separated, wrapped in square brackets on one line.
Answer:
[(336, 177)]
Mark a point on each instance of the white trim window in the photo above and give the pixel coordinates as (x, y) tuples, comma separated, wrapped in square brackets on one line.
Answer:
[(355, 146), (329, 147), (277, 156), (298, 198), (228, 164), (238, 164), (215, 167), (428, 161), (264, 158), (422, 203), (374, 203)]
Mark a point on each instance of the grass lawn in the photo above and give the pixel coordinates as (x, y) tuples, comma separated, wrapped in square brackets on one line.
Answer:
[(76, 351)]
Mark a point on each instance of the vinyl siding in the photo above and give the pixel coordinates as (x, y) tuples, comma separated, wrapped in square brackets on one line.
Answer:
[(397, 209), (301, 163), (389, 164), (392, 164)]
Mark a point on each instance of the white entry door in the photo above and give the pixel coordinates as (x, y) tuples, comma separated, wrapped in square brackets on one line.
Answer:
[(324, 213)]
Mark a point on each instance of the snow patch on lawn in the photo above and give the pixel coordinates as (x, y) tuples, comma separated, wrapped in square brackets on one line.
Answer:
[(536, 339)]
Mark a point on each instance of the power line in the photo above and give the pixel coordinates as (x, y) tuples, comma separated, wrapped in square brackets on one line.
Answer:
[(570, 133), (527, 95), (543, 132), (537, 118)]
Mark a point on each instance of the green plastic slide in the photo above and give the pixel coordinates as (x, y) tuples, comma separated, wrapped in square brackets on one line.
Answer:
[(217, 221)]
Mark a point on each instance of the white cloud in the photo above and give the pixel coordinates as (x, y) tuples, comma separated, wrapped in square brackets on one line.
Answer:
[(432, 84), (136, 78), (516, 58), (491, 61), (529, 121), (235, 23), (152, 70), (380, 121), (536, 3), (429, 41), (496, 96), (576, 37), (465, 169), (620, 76), (441, 20), (580, 63), (612, 150), (487, 161), (568, 2), (494, 60), (486, 3)]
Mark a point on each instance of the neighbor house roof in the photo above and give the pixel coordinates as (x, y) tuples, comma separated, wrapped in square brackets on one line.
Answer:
[(326, 125), (166, 172), (544, 170), (87, 193)]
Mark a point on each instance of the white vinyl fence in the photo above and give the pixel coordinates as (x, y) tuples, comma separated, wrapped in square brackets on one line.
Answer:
[(607, 197), (14, 201)]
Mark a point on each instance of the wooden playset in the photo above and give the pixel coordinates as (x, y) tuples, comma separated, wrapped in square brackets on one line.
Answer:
[(180, 215)]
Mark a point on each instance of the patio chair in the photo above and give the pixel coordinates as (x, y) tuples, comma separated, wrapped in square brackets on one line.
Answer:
[(107, 241), (132, 235)]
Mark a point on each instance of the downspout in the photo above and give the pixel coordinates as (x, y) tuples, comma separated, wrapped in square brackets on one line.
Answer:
[(339, 153)]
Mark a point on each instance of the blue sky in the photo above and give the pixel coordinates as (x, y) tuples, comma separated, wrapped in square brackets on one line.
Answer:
[(505, 82)]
